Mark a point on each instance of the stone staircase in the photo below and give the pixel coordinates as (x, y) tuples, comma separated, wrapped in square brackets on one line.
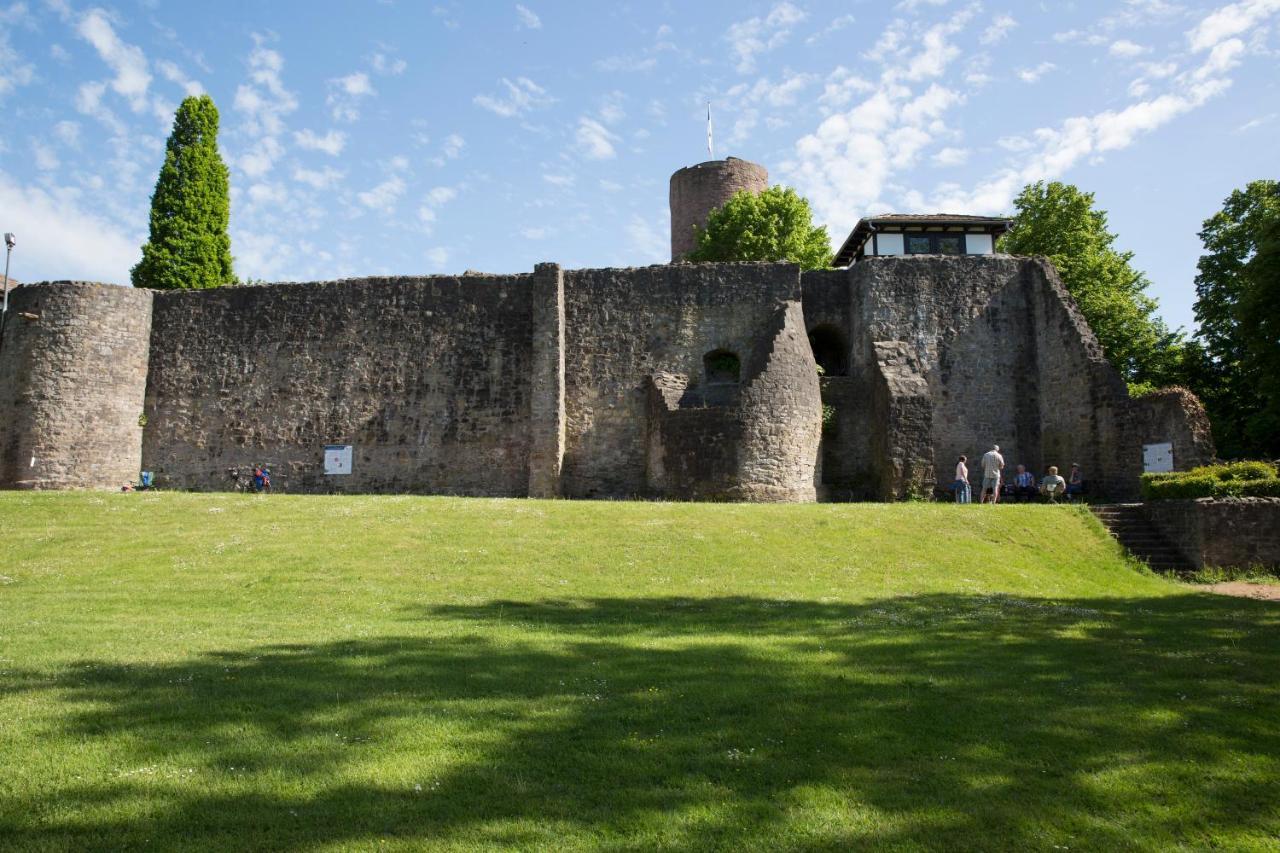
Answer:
[(1129, 525)]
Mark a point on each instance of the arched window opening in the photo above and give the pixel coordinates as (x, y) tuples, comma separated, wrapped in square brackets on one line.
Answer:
[(830, 351), (722, 367)]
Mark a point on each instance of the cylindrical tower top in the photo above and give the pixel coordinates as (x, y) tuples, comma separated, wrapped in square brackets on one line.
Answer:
[(698, 190)]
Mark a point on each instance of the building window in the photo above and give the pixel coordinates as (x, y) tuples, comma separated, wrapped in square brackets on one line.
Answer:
[(829, 350), (935, 244), (722, 367)]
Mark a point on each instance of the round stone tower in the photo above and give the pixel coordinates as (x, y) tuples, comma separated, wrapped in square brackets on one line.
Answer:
[(698, 190), (73, 376)]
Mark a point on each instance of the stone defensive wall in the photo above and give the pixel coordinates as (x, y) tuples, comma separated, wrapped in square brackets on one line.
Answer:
[(535, 384), (937, 356), (688, 381)]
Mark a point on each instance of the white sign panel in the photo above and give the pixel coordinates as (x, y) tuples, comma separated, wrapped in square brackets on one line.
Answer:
[(1157, 458), (337, 459)]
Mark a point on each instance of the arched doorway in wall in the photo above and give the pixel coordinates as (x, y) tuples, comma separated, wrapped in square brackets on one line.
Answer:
[(830, 350)]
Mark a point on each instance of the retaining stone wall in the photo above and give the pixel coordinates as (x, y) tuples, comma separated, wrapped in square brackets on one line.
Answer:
[(1222, 532)]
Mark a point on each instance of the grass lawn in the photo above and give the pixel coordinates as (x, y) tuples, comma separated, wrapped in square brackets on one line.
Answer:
[(229, 672)]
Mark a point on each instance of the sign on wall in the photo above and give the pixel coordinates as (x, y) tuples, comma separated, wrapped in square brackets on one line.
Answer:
[(337, 459), (1157, 458)]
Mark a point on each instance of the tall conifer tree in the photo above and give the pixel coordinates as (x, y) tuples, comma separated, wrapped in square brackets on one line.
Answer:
[(189, 246)]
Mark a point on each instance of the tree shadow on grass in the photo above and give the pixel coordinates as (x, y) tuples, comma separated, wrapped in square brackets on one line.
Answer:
[(937, 721)]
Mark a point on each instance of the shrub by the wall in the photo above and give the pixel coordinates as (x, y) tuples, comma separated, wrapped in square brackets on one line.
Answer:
[(1236, 479)]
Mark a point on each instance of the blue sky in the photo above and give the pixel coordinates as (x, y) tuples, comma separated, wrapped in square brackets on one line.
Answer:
[(415, 137)]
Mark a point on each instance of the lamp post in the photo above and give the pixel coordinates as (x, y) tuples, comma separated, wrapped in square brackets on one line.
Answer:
[(9, 242)]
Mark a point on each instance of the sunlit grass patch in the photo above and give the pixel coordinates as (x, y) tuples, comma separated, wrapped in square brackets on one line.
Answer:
[(360, 672)]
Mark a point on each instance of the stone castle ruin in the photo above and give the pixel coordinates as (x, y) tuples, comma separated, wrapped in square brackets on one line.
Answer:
[(683, 381)]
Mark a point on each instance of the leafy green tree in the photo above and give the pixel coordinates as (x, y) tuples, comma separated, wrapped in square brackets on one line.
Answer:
[(189, 246), (1234, 287), (773, 225), (1059, 221), (1260, 329)]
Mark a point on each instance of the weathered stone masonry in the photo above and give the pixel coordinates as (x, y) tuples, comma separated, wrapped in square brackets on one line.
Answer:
[(579, 383)]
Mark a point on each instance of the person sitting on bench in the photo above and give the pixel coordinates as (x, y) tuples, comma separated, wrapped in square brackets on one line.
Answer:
[(1075, 482), (1053, 486), (1024, 484)]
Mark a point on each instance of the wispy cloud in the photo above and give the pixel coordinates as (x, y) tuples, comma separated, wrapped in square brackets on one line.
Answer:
[(1000, 26), (594, 140), (754, 36), (384, 196), (127, 61), (1033, 75), (528, 19), (330, 143), (516, 98), (345, 94)]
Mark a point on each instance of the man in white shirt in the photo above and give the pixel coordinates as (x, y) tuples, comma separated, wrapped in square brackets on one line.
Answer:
[(992, 465)]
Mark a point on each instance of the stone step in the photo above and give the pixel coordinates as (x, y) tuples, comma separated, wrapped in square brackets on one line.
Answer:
[(1129, 526)]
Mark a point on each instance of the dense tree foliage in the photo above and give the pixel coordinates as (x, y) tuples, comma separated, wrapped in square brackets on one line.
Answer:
[(1237, 309), (773, 225), (188, 245), (1059, 221)]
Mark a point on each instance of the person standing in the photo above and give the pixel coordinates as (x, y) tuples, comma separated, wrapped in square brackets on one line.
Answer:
[(961, 485), (992, 465)]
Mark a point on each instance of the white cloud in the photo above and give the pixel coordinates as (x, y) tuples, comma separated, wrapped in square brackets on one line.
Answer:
[(68, 133), (595, 141), (1032, 75), (14, 70), (527, 18), (261, 157), (1230, 21), (61, 239), (264, 100), (648, 241), (837, 24), (345, 94), (1052, 151), (610, 186), (754, 36), (268, 194), (1256, 122), (951, 156), (89, 102), (518, 98), (450, 149), (435, 198), (387, 66), (171, 72), (437, 257), (999, 27), (331, 143), (320, 179), (538, 233), (1126, 49), (126, 60), (384, 196), (877, 129), (46, 159), (558, 179), (627, 63), (842, 86)]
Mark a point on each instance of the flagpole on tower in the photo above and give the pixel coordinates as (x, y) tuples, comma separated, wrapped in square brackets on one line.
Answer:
[(711, 148)]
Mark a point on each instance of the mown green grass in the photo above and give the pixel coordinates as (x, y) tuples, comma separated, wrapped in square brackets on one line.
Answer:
[(228, 672)]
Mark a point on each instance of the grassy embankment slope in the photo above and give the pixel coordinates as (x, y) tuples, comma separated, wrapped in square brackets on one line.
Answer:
[(233, 672)]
